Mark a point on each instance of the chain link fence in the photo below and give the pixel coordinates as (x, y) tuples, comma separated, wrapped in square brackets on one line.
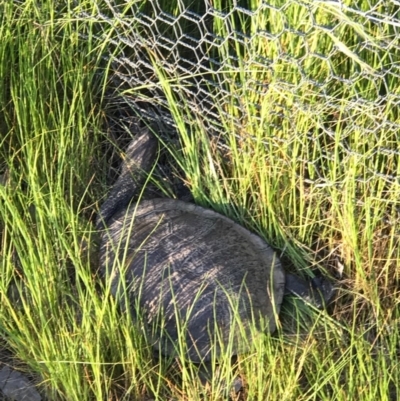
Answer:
[(323, 70)]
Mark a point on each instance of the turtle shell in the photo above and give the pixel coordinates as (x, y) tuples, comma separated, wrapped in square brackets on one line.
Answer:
[(191, 270)]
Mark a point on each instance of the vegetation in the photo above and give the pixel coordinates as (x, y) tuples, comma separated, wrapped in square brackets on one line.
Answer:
[(310, 162)]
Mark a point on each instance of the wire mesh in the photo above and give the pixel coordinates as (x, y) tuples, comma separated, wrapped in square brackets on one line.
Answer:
[(324, 71)]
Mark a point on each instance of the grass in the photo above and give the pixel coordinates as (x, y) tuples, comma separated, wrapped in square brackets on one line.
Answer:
[(311, 165)]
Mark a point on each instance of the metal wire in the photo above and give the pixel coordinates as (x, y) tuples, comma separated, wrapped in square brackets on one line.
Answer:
[(230, 61)]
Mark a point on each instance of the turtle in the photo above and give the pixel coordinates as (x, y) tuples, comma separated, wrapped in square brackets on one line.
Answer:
[(190, 268)]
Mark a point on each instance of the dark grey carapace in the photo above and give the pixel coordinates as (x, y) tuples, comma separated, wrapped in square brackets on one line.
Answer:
[(188, 266)]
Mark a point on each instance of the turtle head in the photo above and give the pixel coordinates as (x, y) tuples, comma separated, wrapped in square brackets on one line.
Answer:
[(318, 291)]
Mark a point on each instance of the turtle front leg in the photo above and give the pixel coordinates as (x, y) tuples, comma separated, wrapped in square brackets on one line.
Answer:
[(208, 372)]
